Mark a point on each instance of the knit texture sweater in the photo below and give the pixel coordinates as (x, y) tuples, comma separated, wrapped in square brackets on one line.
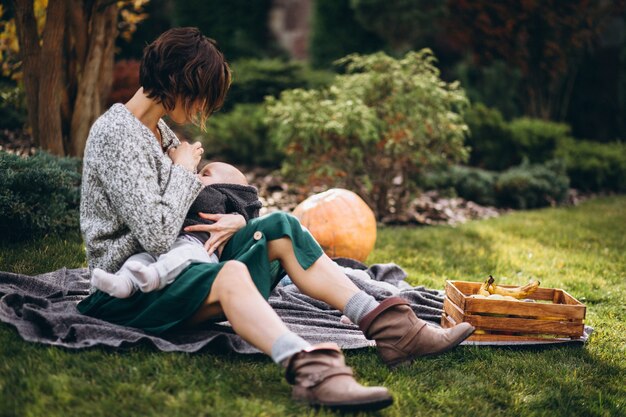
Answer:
[(133, 198)]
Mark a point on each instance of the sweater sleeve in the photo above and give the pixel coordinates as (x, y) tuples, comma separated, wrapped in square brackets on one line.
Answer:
[(153, 210)]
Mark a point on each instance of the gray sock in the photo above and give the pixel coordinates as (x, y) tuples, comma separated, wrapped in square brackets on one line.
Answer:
[(287, 345), (359, 305)]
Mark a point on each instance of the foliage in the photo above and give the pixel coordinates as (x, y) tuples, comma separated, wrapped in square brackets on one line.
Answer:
[(496, 85), (572, 248), (524, 186), (253, 79), (594, 166), (240, 137), (239, 26), (496, 144), (490, 139), (12, 107), (335, 32), (38, 195), (382, 122), (544, 40), (535, 140), (529, 186), (402, 23), (125, 81), (473, 184)]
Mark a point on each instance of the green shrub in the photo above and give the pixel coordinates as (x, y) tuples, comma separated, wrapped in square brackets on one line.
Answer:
[(496, 144), (490, 139), (253, 79), (473, 184), (594, 166), (240, 137), (38, 195), (535, 140), (384, 121), (529, 186)]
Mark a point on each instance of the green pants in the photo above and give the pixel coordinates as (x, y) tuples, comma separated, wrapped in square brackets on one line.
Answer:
[(159, 311)]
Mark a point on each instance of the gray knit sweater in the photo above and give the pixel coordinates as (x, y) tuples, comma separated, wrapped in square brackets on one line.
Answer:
[(133, 199)]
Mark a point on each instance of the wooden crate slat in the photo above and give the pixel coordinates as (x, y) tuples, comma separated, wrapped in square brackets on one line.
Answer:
[(569, 300), (455, 295), (517, 325), (514, 338), (521, 308), (469, 288), (452, 310), (447, 322)]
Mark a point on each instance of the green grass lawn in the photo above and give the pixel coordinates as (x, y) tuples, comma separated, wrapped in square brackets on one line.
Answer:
[(580, 249)]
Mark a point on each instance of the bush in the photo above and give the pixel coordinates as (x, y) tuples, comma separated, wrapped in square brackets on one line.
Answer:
[(240, 137), (13, 113), (594, 166), (497, 145), (38, 195), (489, 138), (529, 186), (253, 79), (379, 124), (535, 140), (473, 184)]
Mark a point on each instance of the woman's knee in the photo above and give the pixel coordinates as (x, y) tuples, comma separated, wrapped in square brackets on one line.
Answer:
[(282, 217), (234, 277)]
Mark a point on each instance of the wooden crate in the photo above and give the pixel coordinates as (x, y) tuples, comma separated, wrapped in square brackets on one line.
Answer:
[(504, 320)]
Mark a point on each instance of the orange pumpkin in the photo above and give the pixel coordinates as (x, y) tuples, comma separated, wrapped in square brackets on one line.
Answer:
[(341, 222)]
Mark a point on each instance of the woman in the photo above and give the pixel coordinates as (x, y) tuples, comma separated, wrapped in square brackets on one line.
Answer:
[(139, 182)]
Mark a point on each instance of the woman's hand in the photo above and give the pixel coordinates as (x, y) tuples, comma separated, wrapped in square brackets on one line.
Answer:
[(187, 155), (224, 227)]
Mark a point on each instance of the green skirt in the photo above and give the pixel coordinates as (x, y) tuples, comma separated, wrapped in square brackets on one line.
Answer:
[(159, 311)]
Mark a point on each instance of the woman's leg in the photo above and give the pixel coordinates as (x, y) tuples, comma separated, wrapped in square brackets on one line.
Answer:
[(318, 373), (400, 336), (235, 294), (323, 280)]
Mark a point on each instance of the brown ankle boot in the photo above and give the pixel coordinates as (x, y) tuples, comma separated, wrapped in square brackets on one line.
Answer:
[(401, 337), (321, 378)]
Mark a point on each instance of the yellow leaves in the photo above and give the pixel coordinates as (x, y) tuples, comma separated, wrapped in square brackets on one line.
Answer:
[(9, 44), (131, 14)]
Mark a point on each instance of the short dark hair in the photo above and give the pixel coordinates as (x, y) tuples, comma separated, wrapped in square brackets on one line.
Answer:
[(183, 63)]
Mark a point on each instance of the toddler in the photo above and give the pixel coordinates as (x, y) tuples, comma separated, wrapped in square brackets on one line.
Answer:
[(226, 190)]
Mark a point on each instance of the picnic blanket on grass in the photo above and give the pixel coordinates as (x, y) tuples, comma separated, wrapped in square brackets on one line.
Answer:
[(43, 309)]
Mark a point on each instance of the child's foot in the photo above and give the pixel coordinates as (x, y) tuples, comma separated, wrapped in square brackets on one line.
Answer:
[(146, 276), (115, 285)]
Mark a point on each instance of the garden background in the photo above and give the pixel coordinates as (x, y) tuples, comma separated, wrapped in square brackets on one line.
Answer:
[(432, 111)]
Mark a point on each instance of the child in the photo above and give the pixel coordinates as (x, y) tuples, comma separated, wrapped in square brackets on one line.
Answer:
[(226, 191)]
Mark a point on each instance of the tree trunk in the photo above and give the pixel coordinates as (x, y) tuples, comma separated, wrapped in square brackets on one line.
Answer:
[(50, 130), (88, 104), (26, 27)]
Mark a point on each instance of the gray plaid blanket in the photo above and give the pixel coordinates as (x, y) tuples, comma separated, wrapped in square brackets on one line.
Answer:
[(43, 309)]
